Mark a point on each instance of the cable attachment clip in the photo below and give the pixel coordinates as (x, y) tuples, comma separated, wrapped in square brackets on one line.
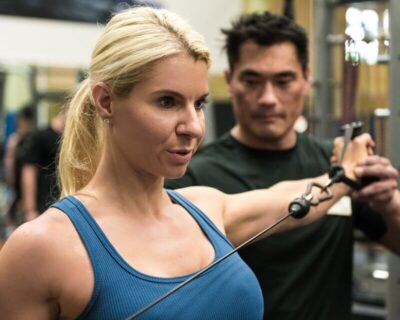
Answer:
[(337, 174), (299, 207)]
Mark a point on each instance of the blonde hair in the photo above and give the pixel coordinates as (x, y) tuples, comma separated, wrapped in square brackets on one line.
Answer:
[(132, 43)]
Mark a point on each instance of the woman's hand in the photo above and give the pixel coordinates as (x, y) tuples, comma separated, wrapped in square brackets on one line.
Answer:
[(357, 149)]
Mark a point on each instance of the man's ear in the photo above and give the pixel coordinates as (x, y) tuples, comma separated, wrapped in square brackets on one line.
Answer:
[(228, 75), (307, 77), (228, 78), (102, 99)]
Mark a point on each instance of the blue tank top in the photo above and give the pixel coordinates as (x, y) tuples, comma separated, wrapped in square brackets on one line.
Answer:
[(228, 291)]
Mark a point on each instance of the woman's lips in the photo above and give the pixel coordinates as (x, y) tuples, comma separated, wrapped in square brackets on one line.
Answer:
[(181, 157)]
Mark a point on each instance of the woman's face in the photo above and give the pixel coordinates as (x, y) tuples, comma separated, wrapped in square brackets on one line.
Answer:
[(159, 125)]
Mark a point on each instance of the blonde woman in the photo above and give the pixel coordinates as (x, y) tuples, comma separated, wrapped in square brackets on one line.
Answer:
[(118, 240)]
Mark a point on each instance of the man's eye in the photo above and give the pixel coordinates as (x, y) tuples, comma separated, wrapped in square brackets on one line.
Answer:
[(284, 81), (251, 82), (167, 102)]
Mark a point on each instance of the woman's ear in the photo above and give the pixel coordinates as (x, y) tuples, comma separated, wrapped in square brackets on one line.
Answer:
[(102, 99)]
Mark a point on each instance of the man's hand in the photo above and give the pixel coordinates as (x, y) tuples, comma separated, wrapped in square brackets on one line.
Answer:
[(382, 193)]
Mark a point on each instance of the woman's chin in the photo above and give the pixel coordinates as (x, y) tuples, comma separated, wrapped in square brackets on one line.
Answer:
[(175, 175)]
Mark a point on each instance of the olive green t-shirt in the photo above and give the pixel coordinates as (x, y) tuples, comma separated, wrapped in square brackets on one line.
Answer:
[(306, 273)]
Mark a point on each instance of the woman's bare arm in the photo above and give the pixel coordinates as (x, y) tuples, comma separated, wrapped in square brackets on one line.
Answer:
[(245, 214), (26, 284)]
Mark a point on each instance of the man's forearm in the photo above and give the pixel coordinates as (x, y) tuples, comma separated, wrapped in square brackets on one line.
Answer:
[(391, 215)]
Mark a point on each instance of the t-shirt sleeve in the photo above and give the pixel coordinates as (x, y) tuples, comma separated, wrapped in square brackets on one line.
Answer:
[(369, 221), (31, 154)]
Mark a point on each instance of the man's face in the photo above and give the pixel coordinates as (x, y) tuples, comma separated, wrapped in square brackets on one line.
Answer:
[(267, 86)]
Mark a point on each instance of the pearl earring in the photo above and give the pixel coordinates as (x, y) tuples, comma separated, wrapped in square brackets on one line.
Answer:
[(106, 120)]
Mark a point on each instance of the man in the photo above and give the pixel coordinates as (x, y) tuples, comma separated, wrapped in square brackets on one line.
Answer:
[(15, 152), (39, 186), (306, 273)]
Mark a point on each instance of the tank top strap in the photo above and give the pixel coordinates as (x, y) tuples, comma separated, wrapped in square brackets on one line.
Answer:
[(90, 232), (82, 222), (201, 218), (87, 230)]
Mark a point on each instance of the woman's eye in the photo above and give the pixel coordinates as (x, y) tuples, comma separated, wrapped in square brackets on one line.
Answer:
[(167, 102), (201, 104)]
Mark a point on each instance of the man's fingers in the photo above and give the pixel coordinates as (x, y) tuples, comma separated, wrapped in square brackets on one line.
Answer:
[(381, 169), (375, 159), (377, 171), (377, 191)]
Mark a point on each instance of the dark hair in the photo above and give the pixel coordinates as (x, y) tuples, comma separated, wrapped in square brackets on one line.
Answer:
[(26, 113), (265, 29)]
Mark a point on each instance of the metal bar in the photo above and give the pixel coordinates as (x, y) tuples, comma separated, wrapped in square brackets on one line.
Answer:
[(394, 148), (323, 105)]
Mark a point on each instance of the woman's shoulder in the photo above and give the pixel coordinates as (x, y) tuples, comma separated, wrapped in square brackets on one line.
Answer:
[(209, 200), (45, 259), (37, 243), (197, 194)]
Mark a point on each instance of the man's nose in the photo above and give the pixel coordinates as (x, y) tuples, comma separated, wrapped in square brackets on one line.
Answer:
[(267, 94)]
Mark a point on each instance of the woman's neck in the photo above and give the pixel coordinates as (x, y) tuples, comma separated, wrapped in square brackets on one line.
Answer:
[(127, 189)]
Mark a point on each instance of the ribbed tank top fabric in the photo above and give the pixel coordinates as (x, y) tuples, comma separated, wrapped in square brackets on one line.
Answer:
[(229, 291)]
